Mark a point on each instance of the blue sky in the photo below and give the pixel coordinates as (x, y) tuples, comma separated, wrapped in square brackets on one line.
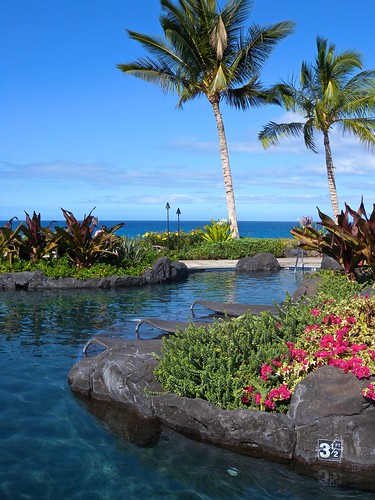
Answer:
[(77, 133)]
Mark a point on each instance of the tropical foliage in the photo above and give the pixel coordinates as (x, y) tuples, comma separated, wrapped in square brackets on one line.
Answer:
[(213, 364), (206, 52), (37, 241), (83, 243), (350, 240), (339, 334), (237, 249), (79, 241), (256, 361), (9, 241), (330, 93), (217, 231), (177, 240)]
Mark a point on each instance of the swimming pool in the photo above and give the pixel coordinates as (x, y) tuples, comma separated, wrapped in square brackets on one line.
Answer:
[(53, 447)]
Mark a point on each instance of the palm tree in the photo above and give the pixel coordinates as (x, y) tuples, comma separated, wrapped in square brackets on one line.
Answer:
[(330, 93), (204, 52)]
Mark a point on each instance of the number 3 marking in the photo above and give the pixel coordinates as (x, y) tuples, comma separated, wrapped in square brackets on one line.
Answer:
[(324, 450)]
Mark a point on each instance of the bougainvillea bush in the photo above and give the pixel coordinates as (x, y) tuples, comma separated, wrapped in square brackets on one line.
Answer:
[(340, 333)]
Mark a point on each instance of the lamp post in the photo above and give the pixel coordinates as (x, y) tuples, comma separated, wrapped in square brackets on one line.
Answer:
[(178, 220), (178, 226), (167, 207)]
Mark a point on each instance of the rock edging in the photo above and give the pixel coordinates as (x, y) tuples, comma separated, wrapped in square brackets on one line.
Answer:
[(329, 422), (161, 271)]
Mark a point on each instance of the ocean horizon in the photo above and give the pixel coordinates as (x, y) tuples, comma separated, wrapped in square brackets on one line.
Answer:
[(133, 228)]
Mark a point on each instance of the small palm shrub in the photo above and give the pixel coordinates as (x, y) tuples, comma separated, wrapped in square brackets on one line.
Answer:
[(133, 252)]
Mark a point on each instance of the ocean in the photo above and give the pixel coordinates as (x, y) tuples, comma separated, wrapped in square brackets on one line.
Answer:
[(255, 229), (132, 228)]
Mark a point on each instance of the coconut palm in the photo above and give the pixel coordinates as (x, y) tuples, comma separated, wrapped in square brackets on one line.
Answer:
[(330, 93), (205, 52)]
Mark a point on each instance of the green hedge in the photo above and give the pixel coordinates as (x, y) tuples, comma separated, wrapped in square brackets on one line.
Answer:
[(236, 249)]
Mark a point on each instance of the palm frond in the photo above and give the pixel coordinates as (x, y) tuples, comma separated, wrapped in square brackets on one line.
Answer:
[(149, 70), (157, 46), (250, 95), (234, 14), (308, 135), (272, 132), (361, 128)]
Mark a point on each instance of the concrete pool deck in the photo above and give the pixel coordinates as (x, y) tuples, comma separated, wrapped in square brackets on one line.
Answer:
[(308, 263)]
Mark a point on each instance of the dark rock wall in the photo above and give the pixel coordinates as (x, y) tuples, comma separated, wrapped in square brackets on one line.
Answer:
[(162, 270), (329, 422)]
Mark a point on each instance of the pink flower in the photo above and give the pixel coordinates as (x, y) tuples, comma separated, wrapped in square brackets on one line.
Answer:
[(315, 311), (279, 393), (311, 327), (361, 371), (369, 392), (258, 399), (356, 348), (332, 320), (269, 404), (264, 370)]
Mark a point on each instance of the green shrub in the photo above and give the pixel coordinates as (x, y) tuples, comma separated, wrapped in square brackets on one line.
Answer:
[(173, 241), (236, 249), (62, 267), (212, 364), (132, 252)]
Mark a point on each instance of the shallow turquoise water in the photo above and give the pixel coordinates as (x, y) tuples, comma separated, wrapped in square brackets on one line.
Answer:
[(54, 447)]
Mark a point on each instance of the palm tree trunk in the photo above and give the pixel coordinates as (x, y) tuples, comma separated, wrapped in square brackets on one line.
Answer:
[(331, 176), (226, 170)]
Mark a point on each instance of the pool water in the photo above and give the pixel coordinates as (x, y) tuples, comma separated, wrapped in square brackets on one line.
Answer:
[(54, 447)]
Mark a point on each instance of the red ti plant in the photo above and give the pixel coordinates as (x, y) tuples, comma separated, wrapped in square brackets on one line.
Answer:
[(37, 241), (351, 242), (82, 242)]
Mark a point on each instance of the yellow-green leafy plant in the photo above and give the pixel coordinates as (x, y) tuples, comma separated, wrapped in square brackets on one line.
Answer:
[(217, 231), (9, 241)]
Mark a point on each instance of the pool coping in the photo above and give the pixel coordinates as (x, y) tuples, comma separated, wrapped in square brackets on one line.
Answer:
[(290, 263)]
